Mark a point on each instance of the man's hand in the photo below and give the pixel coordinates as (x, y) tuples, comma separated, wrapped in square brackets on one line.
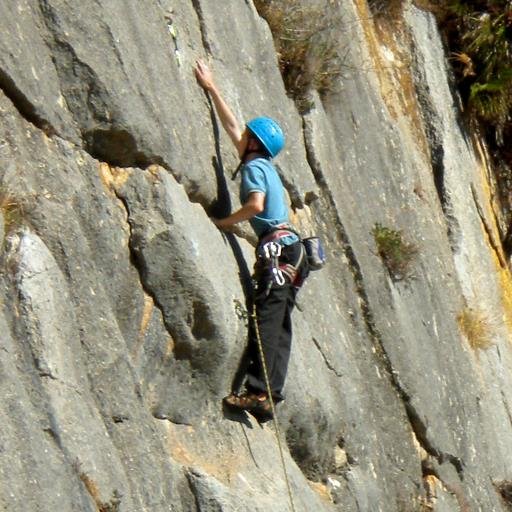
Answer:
[(254, 205), (222, 224), (204, 76)]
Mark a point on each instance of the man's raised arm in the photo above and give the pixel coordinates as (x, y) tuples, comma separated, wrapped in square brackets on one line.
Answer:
[(229, 122)]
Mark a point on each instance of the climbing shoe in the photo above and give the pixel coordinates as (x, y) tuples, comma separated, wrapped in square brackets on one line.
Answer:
[(257, 404)]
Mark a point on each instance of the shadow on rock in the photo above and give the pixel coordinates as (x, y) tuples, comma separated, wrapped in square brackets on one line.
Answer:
[(236, 415)]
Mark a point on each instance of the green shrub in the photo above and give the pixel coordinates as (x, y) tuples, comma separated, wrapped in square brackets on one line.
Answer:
[(481, 33), (397, 254), (479, 36)]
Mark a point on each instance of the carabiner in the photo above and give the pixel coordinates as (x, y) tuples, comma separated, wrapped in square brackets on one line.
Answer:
[(278, 276), (272, 250)]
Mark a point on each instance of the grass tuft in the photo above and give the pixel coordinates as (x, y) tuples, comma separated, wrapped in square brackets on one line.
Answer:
[(397, 254), (476, 327), (13, 211)]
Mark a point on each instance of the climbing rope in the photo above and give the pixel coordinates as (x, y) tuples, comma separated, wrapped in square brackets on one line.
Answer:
[(272, 405)]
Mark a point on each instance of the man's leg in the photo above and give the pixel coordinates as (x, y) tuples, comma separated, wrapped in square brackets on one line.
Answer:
[(282, 354), (274, 326)]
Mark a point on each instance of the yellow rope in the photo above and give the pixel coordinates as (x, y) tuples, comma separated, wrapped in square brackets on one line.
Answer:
[(272, 406)]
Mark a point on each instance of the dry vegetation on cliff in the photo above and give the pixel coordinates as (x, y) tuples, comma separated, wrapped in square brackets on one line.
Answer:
[(479, 36), (309, 54), (479, 40), (12, 210), (476, 326)]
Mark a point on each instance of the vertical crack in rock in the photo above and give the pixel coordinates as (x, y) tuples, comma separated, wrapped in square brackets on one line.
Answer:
[(496, 246), (433, 127), (326, 360), (23, 105), (202, 26), (507, 408), (79, 83), (417, 424), (438, 170), (199, 321), (80, 86), (133, 256)]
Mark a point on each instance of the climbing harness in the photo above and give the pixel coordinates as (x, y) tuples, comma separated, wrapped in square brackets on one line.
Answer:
[(272, 404), (315, 252), (277, 233), (269, 250)]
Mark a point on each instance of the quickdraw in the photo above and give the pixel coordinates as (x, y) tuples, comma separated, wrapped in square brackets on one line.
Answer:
[(272, 251)]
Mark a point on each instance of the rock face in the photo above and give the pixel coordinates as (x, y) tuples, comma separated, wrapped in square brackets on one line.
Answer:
[(123, 308)]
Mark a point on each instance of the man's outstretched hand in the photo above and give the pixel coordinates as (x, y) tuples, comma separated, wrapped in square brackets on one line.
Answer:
[(204, 76)]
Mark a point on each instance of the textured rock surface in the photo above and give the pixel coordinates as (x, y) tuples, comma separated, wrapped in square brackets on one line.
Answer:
[(122, 315)]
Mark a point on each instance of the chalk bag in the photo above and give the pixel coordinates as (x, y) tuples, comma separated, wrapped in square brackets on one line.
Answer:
[(315, 252)]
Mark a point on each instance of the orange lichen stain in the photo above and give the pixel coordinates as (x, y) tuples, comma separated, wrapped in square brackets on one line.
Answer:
[(321, 490), (185, 447), (432, 484), (391, 64), (91, 487), (113, 177), (120, 176), (146, 314), (487, 184), (301, 218), (180, 453), (169, 348), (435, 487), (491, 231), (154, 172), (506, 297), (505, 281), (146, 317), (487, 187), (106, 175)]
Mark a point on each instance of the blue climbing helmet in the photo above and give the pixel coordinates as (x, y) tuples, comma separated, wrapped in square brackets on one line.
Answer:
[(268, 132)]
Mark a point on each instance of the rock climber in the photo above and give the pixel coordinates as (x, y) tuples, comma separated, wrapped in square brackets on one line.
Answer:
[(281, 265)]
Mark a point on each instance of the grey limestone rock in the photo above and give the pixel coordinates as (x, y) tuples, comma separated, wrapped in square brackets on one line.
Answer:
[(123, 309)]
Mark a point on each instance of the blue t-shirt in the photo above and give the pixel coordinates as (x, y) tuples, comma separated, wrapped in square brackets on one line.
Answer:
[(259, 175)]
